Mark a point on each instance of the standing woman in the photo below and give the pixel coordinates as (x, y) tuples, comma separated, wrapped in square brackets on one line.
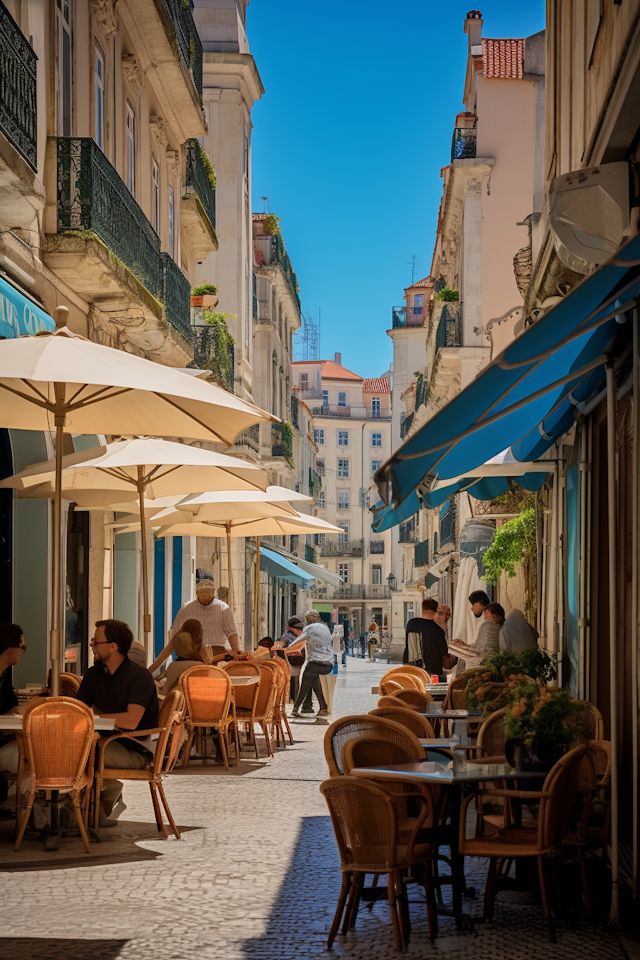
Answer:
[(373, 639), (318, 642)]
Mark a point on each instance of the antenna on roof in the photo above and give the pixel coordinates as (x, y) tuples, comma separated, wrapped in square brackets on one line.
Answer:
[(307, 340), (414, 264), (265, 204)]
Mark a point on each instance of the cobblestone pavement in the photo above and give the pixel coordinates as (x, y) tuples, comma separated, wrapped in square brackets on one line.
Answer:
[(256, 876)]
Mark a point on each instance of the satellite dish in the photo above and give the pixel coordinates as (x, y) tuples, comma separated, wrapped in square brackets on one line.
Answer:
[(589, 214)]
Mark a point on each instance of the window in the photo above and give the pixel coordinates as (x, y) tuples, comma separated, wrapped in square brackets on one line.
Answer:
[(376, 574), (376, 439), (318, 436), (319, 538), (99, 96), (408, 611), (375, 408), (155, 196), (343, 572), (344, 536), (343, 438), (320, 468), (325, 398), (418, 304), (131, 149), (343, 500), (375, 465), (320, 501), (63, 16), (304, 381), (342, 398), (343, 468), (171, 222)]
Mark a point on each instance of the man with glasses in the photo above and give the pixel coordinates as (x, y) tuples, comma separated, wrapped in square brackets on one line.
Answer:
[(12, 647), (116, 687)]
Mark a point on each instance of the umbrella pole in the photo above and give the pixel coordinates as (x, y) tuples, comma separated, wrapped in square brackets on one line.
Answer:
[(256, 612), (56, 605), (228, 529), (146, 616)]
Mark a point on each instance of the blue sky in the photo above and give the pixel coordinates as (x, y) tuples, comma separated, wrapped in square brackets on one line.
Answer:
[(348, 143)]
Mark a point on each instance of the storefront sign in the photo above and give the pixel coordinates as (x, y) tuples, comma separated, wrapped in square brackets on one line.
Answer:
[(20, 316)]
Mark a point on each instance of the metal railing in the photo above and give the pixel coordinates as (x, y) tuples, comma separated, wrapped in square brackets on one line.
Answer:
[(448, 527), (463, 143), (272, 250), (208, 354), (352, 591), (448, 333), (348, 548), (282, 441), (376, 546), (405, 425), (295, 411), (308, 394), (18, 61), (197, 177), (408, 532), (421, 554), (187, 36), (404, 317), (176, 292), (249, 438)]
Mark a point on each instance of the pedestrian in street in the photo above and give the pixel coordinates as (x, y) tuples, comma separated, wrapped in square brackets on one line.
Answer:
[(317, 640), (373, 639), (295, 626), (363, 644), (117, 688), (517, 635), (218, 626), (425, 644)]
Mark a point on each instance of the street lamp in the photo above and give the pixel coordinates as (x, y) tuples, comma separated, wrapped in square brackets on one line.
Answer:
[(393, 582)]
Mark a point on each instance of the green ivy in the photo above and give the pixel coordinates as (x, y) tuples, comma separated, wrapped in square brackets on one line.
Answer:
[(510, 543), (204, 290), (206, 163), (213, 348), (271, 225), (448, 295)]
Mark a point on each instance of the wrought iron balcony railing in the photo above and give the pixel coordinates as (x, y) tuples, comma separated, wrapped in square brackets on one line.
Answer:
[(351, 591), (376, 546), (189, 44), (408, 532), (249, 438), (295, 411), (18, 88), (403, 317), (197, 177), (448, 527), (448, 333), (347, 548), (271, 249), (421, 554), (309, 554), (405, 425), (463, 143), (282, 441), (176, 292)]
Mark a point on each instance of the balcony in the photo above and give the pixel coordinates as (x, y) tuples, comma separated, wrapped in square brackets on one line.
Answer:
[(282, 441), (376, 546), (305, 393), (352, 412), (270, 250), (21, 193), (198, 204), (463, 143), (351, 591), (169, 54), (421, 554), (448, 333), (407, 317), (448, 527), (295, 413), (315, 483), (109, 253), (405, 425), (408, 532), (249, 439), (347, 548)]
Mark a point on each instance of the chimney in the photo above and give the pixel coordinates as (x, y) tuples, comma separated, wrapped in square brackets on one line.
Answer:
[(339, 358), (473, 27)]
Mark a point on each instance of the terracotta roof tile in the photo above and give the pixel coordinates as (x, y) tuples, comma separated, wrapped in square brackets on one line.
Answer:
[(503, 58), (377, 385), (335, 371), (427, 282)]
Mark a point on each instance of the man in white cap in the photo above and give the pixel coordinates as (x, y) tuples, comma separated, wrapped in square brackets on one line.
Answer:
[(218, 626)]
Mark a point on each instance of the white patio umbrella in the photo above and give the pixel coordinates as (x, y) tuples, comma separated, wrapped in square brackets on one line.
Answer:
[(147, 467), (221, 505), (63, 380)]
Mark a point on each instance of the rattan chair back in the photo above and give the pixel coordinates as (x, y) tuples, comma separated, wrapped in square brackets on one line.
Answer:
[(343, 730), (389, 701), (406, 717), (563, 783), (491, 736), (400, 681), (409, 668), (591, 721), (58, 734), (245, 697), (455, 698), (382, 749), (171, 725), (69, 684), (414, 699), (208, 691), (267, 691), (365, 823)]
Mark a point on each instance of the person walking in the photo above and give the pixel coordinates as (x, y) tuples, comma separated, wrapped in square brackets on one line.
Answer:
[(317, 640), (373, 639), (425, 644)]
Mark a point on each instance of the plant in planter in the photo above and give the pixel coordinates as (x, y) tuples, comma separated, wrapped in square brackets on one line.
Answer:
[(205, 296), (448, 295), (540, 725), (538, 664), (271, 225)]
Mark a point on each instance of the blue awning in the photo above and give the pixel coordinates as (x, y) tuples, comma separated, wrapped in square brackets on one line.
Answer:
[(525, 398), (278, 566), (20, 316)]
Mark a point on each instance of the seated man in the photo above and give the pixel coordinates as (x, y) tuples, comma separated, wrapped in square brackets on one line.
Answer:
[(117, 687), (12, 646)]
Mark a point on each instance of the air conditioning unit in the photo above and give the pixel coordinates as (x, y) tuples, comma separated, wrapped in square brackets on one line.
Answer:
[(589, 214)]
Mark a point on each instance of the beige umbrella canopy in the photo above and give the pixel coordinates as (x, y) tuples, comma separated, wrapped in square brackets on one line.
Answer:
[(221, 506), (147, 467), (62, 380)]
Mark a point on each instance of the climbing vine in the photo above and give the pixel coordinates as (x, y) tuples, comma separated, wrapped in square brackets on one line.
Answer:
[(214, 348), (513, 542)]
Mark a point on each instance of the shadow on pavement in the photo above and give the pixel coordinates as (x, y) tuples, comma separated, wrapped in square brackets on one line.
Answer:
[(35, 948)]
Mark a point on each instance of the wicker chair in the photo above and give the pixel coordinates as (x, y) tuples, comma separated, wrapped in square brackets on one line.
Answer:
[(280, 720), (69, 685), (389, 701), (400, 681), (57, 746), (170, 730), (414, 699), (594, 786), (266, 702), (405, 668), (411, 719), (491, 738), (350, 728), (246, 698), (557, 799), (370, 840), (592, 721), (208, 694)]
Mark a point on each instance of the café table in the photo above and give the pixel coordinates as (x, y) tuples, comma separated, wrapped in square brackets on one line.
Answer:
[(441, 774), (435, 712)]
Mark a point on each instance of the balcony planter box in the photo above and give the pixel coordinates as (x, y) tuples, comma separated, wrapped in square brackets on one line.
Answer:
[(208, 301)]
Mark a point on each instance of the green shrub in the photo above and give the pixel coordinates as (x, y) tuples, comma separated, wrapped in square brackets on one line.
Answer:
[(204, 290), (448, 295)]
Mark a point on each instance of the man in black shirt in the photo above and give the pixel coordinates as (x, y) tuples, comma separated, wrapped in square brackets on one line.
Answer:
[(426, 644), (12, 647), (119, 688)]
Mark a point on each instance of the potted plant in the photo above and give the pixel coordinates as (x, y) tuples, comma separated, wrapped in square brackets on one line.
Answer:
[(540, 725), (205, 296)]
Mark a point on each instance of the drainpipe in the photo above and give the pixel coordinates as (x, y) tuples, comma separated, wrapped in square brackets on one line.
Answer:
[(634, 595), (614, 915)]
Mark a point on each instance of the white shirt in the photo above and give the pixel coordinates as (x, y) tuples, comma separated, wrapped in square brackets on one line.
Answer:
[(216, 619)]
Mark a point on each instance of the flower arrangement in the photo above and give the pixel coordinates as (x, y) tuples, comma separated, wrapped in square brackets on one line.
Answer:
[(545, 720)]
